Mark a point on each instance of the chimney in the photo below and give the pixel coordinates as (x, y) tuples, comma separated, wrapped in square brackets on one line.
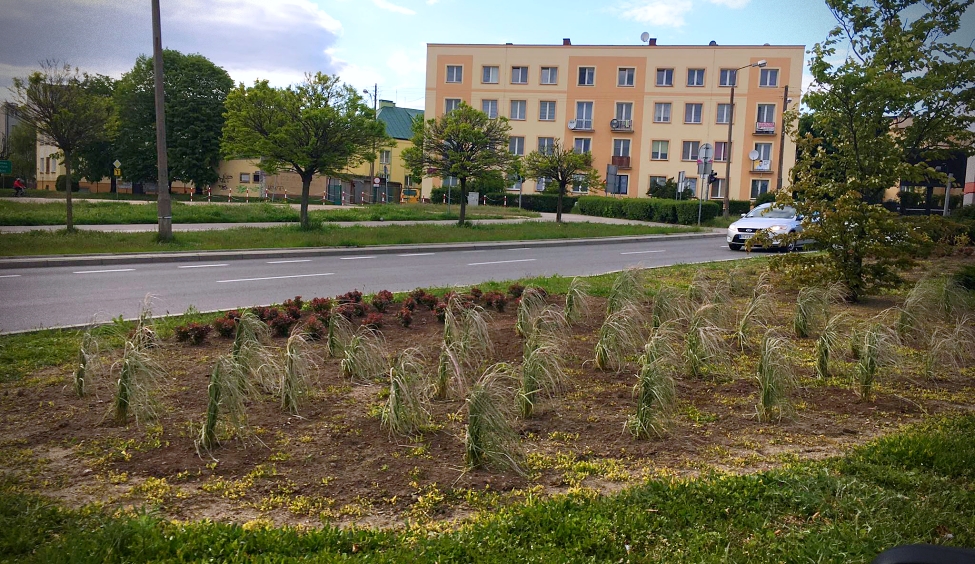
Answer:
[(652, 41), (386, 104), (566, 41)]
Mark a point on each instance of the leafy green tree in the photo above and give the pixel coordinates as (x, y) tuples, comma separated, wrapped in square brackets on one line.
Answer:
[(23, 150), (464, 144), (95, 159), (56, 103), (195, 93), (668, 190), (317, 127), (902, 96), (563, 166)]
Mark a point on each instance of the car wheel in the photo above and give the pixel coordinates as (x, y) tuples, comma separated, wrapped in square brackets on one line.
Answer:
[(791, 246), (734, 246)]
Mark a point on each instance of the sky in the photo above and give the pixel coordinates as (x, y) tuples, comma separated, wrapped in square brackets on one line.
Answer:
[(377, 42)]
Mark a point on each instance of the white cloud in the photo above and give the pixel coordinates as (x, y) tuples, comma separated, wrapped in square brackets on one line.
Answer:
[(735, 4), (432, 2), (385, 5), (657, 12), (404, 64)]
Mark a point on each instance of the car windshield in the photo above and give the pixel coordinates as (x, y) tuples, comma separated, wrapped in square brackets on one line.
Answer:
[(779, 213)]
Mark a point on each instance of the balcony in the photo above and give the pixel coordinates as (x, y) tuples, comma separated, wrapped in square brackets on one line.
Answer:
[(765, 128), (623, 125), (762, 165), (621, 162), (580, 124)]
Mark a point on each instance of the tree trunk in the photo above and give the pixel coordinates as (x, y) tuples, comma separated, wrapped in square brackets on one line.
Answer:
[(69, 222), (305, 191), (463, 201), (558, 203)]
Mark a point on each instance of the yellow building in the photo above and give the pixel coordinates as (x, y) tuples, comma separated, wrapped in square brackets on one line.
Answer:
[(647, 109)]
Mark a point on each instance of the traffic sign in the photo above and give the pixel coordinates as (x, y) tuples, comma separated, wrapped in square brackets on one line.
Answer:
[(118, 172), (117, 163), (375, 181), (6, 167)]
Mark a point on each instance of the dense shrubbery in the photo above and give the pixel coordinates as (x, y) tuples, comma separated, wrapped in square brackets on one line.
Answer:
[(195, 333), (649, 209)]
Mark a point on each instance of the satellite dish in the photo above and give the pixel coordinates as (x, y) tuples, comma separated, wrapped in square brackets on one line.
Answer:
[(572, 125), (753, 155), (644, 37)]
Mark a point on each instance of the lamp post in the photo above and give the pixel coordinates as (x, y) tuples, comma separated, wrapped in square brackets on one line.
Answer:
[(731, 122), (375, 115), (785, 106)]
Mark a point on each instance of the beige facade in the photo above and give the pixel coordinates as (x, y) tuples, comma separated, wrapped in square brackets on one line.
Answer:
[(647, 109)]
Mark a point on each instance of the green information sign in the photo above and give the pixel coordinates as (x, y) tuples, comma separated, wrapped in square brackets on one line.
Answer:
[(6, 167)]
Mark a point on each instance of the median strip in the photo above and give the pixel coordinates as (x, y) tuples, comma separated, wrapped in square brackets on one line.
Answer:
[(274, 277)]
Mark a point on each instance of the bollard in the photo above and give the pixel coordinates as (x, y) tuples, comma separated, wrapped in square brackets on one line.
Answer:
[(191, 193), (229, 194), (445, 198), (208, 194), (248, 195), (505, 200)]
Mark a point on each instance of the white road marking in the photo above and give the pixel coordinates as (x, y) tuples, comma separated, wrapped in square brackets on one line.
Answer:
[(274, 277), (202, 265), (287, 261), (519, 249), (99, 271), (416, 255), (472, 251), (355, 258), (500, 262), (10, 276), (641, 252)]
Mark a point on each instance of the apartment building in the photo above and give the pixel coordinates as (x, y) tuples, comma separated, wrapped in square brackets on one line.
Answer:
[(645, 109)]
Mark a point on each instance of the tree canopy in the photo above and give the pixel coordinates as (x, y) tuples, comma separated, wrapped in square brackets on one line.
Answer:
[(900, 98), (564, 167), (464, 144), (55, 101), (316, 127), (195, 93)]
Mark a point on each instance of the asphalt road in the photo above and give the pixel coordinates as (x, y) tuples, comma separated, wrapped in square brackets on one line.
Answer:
[(32, 298)]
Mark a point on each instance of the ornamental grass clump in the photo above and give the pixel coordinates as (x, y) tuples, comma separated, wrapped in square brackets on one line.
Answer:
[(405, 411), (668, 304), (489, 439), (300, 362), (627, 290), (813, 306), (950, 347), (703, 289), (466, 346), (828, 343), (251, 354), (931, 299), (754, 317), (875, 350), (365, 357), (339, 334), (776, 378), (655, 390), (620, 335), (226, 395), (530, 306), (702, 341), (541, 373), (87, 362), (139, 376), (578, 302)]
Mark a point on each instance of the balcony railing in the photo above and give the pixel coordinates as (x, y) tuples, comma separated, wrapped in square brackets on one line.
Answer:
[(580, 124), (765, 128), (621, 162), (621, 124)]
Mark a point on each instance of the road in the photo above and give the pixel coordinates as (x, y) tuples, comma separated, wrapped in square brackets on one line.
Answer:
[(60, 296)]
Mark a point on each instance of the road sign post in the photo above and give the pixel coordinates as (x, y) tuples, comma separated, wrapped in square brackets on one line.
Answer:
[(6, 167)]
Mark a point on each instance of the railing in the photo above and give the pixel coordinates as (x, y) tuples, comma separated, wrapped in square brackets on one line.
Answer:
[(621, 162), (765, 128), (762, 166), (621, 124), (580, 124)]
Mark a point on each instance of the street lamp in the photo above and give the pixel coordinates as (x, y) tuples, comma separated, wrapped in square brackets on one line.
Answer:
[(731, 121), (375, 115)]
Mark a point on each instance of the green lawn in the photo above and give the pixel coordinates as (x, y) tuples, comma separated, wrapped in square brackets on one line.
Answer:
[(14, 212), (88, 242), (915, 486)]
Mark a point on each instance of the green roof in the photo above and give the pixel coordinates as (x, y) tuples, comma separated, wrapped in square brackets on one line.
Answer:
[(398, 121)]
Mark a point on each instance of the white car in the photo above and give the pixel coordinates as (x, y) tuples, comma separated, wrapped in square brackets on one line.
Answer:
[(777, 220)]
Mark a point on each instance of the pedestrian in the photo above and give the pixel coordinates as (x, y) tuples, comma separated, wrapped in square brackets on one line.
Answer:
[(19, 188)]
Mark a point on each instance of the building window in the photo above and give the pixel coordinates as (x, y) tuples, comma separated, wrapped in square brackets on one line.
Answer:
[(587, 76), (622, 185), (624, 113), (455, 73), (665, 77), (690, 185), (759, 187), (583, 115), (621, 147), (245, 178), (724, 113), (546, 145), (550, 75), (661, 112), (626, 77), (519, 75), (695, 77), (658, 181), (546, 111), (450, 104), (721, 151), (408, 181), (579, 184), (450, 181), (516, 145), (728, 77), (490, 107), (659, 150), (385, 157), (256, 176), (766, 113), (489, 75), (769, 78), (542, 183), (518, 109), (689, 151), (717, 189), (764, 151), (692, 113), (583, 145)]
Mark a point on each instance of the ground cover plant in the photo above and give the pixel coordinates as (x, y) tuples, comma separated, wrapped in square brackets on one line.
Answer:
[(342, 462), (329, 235)]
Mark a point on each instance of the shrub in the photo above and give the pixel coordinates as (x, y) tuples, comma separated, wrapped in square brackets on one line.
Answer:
[(476, 293), (687, 211), (515, 290), (316, 328), (405, 316), (423, 297), (738, 207), (281, 325), (353, 297), (382, 300), (294, 312), (373, 321), (441, 310), (296, 302), (764, 198), (497, 300), (59, 184), (409, 304), (266, 314), (345, 311), (225, 326), (547, 203), (321, 305), (195, 333)]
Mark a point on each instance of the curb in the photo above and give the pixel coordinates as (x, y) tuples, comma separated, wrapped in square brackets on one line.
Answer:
[(182, 256)]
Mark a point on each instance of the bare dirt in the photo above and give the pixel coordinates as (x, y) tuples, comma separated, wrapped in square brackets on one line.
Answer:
[(335, 463)]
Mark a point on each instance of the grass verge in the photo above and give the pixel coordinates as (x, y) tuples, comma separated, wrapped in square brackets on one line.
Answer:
[(911, 487), (90, 242)]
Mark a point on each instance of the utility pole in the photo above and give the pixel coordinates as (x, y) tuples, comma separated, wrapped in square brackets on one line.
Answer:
[(375, 116), (163, 205), (785, 105)]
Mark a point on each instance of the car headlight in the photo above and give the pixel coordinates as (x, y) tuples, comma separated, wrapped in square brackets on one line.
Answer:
[(778, 228)]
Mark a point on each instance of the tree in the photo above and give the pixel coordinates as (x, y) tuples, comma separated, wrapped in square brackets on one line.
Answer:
[(23, 150), (668, 190), (464, 144), (56, 103), (901, 98), (564, 167), (95, 159), (317, 127), (195, 93)]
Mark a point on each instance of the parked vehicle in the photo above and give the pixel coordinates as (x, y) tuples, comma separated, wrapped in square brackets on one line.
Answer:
[(777, 220)]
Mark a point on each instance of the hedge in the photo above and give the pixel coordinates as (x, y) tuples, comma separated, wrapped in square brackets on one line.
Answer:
[(649, 209), (534, 202)]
